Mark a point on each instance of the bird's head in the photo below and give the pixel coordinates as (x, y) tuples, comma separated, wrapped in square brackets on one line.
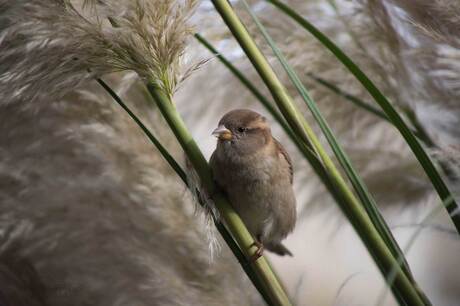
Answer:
[(243, 130)]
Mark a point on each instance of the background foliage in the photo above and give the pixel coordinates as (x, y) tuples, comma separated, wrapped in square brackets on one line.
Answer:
[(66, 137)]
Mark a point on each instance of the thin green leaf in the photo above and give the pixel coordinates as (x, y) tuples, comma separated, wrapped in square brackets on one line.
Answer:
[(171, 161), (418, 129), (423, 158), (358, 102)]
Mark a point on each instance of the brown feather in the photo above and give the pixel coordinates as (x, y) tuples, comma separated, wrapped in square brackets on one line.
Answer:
[(285, 156)]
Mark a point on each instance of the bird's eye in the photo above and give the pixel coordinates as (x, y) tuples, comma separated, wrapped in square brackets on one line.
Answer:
[(241, 129)]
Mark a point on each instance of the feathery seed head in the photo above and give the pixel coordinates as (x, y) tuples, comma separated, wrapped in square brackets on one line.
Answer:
[(75, 40)]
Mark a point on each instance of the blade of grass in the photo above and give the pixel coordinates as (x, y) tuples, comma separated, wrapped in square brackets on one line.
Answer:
[(418, 129), (181, 173), (353, 210), (423, 158), (236, 227), (171, 161), (358, 102)]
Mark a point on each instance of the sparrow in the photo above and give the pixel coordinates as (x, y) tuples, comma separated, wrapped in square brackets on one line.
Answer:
[(254, 170)]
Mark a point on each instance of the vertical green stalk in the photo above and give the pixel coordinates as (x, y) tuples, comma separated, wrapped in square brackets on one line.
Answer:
[(231, 219), (403, 288)]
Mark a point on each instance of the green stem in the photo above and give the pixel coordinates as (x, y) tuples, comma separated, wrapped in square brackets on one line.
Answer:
[(232, 220), (354, 210)]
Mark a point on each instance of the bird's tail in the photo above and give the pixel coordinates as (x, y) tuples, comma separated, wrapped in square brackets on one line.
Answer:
[(279, 249)]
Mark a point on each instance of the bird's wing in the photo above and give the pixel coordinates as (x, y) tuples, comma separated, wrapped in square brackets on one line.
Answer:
[(214, 167), (286, 157), (212, 160)]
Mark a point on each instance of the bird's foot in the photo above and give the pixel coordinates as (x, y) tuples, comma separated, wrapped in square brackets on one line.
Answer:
[(259, 252)]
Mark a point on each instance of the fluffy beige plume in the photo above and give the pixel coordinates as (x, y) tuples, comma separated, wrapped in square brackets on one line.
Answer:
[(425, 53), (149, 37), (68, 40)]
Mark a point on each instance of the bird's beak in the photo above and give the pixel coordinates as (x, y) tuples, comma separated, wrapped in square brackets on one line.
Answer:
[(222, 133)]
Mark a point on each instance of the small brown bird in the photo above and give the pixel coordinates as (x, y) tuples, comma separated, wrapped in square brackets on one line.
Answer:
[(255, 172)]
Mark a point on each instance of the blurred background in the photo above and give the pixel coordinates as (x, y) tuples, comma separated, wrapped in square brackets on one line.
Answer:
[(90, 214)]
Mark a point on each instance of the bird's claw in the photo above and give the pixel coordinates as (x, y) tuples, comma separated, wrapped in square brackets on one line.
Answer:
[(258, 253)]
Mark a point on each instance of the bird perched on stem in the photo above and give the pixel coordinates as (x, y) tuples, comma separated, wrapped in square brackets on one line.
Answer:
[(255, 172)]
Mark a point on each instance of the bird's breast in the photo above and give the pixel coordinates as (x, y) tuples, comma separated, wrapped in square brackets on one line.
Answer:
[(259, 189), (250, 170)]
